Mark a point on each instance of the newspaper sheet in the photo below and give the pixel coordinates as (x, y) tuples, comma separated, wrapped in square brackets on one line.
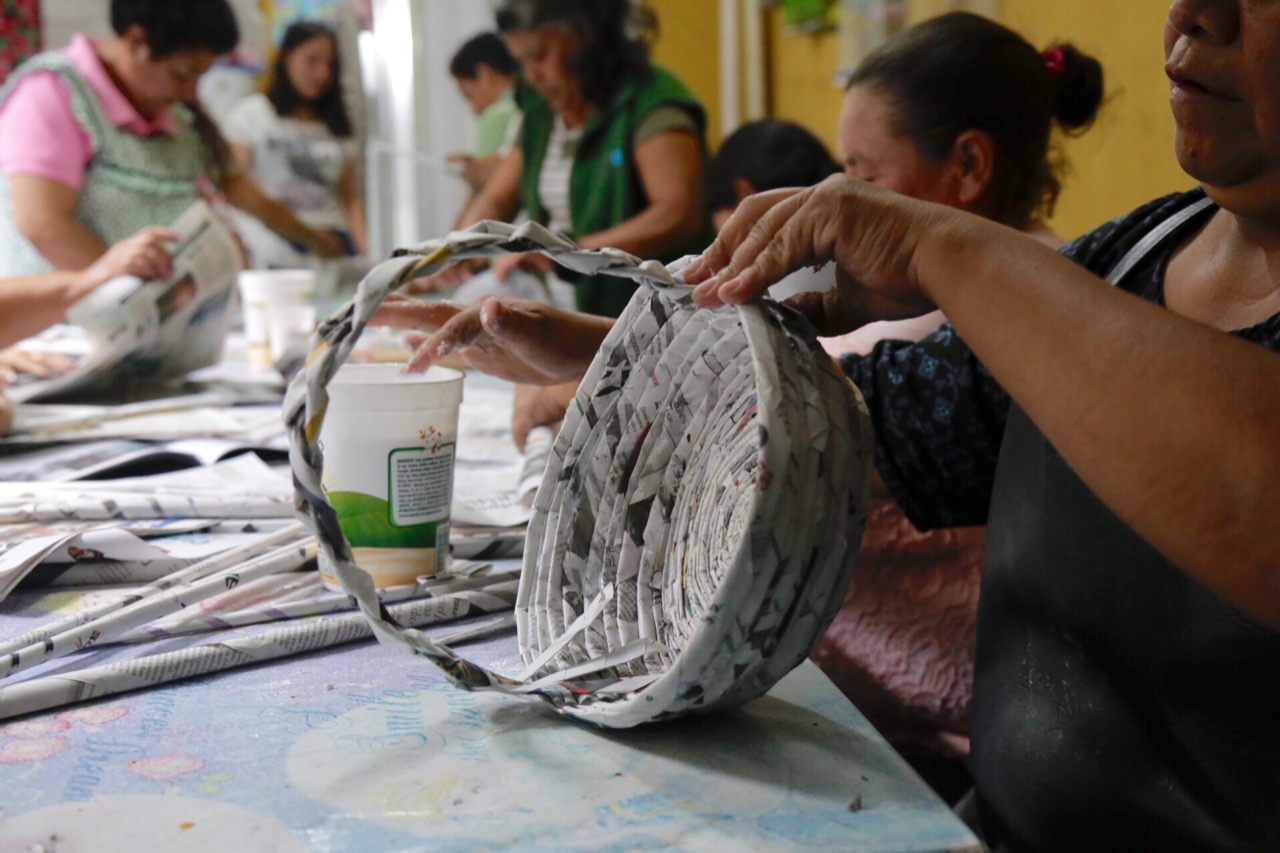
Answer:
[(143, 332), (109, 458)]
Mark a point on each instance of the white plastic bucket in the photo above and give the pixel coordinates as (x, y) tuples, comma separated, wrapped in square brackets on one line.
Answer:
[(388, 441)]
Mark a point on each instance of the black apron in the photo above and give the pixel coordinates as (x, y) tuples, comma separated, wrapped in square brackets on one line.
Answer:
[(1118, 703)]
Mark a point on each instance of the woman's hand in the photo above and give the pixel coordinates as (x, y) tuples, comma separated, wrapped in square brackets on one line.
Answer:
[(534, 262), (145, 254), (515, 339), (16, 362), (448, 278), (539, 405), (871, 234), (476, 171), (327, 245)]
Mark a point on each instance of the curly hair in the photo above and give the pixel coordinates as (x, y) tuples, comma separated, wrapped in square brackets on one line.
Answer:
[(615, 38)]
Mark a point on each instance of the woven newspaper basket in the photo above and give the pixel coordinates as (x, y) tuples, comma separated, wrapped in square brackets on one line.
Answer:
[(700, 516)]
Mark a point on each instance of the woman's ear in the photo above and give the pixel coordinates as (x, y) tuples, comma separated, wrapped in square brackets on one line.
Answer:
[(135, 38), (742, 188), (973, 156)]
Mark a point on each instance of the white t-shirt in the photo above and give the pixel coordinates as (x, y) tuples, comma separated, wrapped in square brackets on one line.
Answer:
[(298, 163), (553, 180)]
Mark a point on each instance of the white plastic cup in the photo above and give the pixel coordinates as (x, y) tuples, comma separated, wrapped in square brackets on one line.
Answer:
[(263, 292), (289, 329), (388, 441)]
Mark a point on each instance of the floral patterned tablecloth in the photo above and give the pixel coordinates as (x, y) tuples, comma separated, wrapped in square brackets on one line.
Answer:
[(364, 748)]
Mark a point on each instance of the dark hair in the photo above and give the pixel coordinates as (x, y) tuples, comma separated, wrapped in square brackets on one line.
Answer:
[(768, 154), (178, 26), (961, 72), (615, 37), (219, 162), (485, 49), (329, 107)]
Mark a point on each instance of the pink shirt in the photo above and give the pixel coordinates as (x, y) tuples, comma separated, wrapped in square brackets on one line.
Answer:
[(39, 134)]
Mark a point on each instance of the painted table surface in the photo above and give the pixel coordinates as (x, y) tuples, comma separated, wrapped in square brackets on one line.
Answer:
[(364, 748)]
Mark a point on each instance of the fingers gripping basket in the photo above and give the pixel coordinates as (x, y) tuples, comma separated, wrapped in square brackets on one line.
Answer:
[(697, 524)]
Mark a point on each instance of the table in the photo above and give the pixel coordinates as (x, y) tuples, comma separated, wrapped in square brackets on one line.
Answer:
[(365, 748)]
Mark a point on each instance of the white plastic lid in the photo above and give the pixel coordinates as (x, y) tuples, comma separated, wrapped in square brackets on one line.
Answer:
[(283, 286), (386, 388)]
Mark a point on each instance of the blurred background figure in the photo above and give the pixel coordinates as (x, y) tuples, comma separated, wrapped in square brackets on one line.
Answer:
[(611, 149), (296, 143), (763, 155), (22, 34), (104, 138), (958, 110), (30, 304), (486, 75)]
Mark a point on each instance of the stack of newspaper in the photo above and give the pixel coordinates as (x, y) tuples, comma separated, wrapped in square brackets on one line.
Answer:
[(194, 571), (165, 509)]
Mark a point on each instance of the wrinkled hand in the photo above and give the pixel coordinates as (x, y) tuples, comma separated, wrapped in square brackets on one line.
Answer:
[(515, 339), (16, 362), (145, 254), (539, 405), (448, 278), (872, 235), (534, 262)]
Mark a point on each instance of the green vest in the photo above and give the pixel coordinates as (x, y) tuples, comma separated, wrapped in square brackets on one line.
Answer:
[(604, 184), (131, 181)]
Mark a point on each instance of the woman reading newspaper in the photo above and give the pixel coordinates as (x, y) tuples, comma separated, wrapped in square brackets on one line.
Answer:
[(29, 304), (105, 137)]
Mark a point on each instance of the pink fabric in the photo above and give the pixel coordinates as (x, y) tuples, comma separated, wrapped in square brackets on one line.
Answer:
[(860, 341), (901, 647), (39, 134)]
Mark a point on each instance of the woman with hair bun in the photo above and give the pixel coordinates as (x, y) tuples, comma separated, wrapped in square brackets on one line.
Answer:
[(958, 110), (976, 105)]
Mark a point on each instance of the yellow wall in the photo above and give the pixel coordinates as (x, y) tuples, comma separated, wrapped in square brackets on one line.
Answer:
[(1124, 160), (1127, 157), (688, 44)]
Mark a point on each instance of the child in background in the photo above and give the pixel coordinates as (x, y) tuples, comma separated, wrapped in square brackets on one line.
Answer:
[(764, 155), (486, 77)]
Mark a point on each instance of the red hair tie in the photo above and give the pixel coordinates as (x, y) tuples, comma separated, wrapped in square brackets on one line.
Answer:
[(1055, 61)]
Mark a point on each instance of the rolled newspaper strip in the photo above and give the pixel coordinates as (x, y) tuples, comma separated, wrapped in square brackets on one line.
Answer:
[(701, 510)]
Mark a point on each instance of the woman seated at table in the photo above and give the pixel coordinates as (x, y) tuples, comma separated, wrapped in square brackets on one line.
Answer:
[(98, 141), (296, 142), (30, 304), (1128, 663), (611, 148)]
